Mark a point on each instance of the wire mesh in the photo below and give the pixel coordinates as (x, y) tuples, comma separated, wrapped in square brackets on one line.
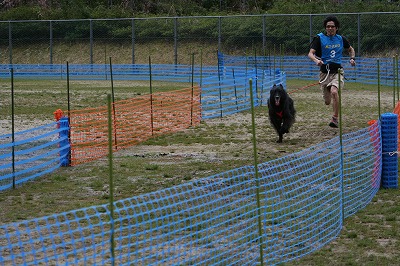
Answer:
[(213, 220)]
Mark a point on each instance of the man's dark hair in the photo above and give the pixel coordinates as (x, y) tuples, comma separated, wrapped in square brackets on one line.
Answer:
[(332, 18)]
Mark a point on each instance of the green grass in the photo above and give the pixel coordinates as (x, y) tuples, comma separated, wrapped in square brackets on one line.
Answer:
[(370, 237)]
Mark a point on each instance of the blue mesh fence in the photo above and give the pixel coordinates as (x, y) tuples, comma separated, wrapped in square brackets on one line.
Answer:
[(225, 90), (301, 67), (223, 93), (213, 221), (172, 73), (229, 93), (29, 154), (362, 167), (302, 201)]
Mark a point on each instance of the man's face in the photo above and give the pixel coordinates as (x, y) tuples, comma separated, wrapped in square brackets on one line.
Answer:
[(330, 28)]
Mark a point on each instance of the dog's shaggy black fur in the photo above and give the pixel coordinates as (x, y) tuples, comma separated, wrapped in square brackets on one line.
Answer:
[(281, 110)]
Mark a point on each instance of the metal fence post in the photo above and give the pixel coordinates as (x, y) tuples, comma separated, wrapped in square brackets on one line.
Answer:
[(133, 41), (219, 33), (51, 41), (311, 28), (264, 36), (359, 35), (10, 43), (176, 40), (91, 41)]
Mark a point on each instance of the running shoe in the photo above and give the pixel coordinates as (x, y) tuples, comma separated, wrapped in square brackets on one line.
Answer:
[(334, 123)]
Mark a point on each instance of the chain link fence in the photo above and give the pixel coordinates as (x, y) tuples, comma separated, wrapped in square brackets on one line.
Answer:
[(172, 40)]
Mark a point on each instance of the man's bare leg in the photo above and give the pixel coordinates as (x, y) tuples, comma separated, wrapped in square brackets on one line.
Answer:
[(335, 105), (335, 101)]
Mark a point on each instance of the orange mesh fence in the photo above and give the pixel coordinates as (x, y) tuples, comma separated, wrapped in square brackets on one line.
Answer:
[(397, 111), (133, 121)]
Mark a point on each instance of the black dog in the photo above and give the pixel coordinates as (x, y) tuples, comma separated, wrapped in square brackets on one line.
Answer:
[(281, 110)]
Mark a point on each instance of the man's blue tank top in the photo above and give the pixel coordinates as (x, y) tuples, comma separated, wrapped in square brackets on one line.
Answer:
[(332, 48)]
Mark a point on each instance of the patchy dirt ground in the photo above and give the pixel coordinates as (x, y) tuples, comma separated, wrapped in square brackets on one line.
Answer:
[(234, 132), (311, 127)]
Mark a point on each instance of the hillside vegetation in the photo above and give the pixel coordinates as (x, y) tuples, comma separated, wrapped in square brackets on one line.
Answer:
[(193, 25), (84, 9)]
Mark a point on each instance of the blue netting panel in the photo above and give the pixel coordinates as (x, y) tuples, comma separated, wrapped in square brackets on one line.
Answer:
[(33, 153), (362, 152), (296, 67), (301, 202), (80, 237), (210, 221), (164, 72), (230, 93), (173, 73), (225, 90), (301, 67), (214, 220), (222, 97)]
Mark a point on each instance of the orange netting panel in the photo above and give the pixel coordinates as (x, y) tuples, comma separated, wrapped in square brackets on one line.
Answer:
[(397, 111), (133, 121)]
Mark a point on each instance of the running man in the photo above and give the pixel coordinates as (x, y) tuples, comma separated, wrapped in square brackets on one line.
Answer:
[(326, 51)]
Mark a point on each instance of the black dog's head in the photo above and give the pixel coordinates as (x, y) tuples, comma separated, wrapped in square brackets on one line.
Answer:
[(277, 95)]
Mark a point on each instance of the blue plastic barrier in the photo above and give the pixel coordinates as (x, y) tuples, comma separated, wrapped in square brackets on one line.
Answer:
[(33, 153), (389, 150), (65, 154)]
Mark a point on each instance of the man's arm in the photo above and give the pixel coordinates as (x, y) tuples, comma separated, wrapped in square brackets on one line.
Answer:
[(313, 57), (351, 52), (352, 55), (312, 54)]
